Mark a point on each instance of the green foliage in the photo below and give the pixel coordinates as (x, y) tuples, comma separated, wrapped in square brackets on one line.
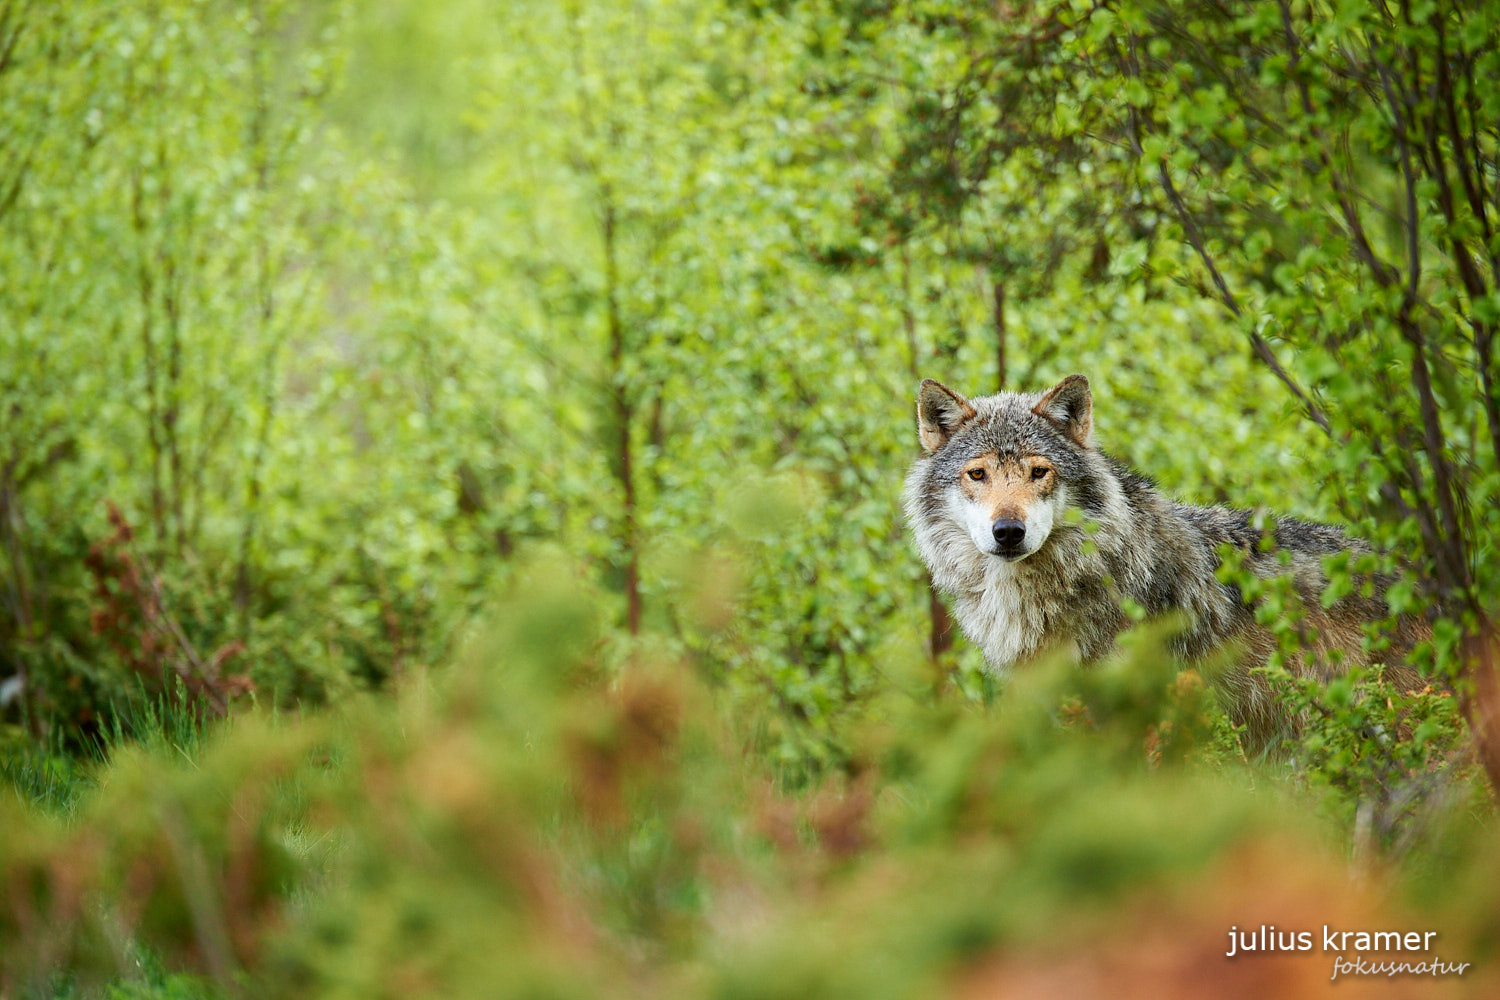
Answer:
[(334, 334), (1320, 172), (647, 312)]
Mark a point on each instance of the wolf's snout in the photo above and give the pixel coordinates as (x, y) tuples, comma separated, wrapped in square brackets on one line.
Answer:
[(1009, 533)]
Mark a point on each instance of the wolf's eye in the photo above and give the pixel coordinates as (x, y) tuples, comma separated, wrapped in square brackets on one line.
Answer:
[(1040, 472), (976, 474)]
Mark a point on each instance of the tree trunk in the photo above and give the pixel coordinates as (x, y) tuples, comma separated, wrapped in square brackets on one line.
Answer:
[(624, 412), (1481, 706), (999, 290), (940, 623)]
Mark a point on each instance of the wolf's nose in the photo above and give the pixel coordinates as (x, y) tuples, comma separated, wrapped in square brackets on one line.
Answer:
[(1009, 532)]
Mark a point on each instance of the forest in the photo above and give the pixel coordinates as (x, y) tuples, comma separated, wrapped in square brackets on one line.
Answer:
[(451, 538)]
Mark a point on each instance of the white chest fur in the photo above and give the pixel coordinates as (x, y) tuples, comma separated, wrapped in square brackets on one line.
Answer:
[(998, 618)]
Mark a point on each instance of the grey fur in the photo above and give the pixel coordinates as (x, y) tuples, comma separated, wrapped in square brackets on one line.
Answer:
[(1142, 545)]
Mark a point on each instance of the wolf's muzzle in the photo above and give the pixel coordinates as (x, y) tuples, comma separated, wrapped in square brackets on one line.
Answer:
[(1010, 535)]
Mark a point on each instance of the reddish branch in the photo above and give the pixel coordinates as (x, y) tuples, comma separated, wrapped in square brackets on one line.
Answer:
[(132, 614)]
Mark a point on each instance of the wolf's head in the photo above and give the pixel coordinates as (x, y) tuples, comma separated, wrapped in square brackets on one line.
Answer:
[(1001, 469)]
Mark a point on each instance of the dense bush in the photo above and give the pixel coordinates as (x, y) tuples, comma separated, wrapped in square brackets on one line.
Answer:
[(532, 822)]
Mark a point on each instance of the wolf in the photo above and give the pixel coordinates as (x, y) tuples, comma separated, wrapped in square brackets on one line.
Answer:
[(1040, 538)]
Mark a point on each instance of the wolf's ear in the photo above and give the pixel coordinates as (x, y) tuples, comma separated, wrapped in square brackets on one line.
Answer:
[(940, 413), (1069, 405)]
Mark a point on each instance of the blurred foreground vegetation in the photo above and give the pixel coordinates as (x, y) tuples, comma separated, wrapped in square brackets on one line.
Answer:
[(448, 473), (535, 823)]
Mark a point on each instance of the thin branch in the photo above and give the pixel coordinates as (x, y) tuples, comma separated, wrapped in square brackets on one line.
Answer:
[(1195, 237), (1449, 101), (1413, 223), (1384, 273)]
